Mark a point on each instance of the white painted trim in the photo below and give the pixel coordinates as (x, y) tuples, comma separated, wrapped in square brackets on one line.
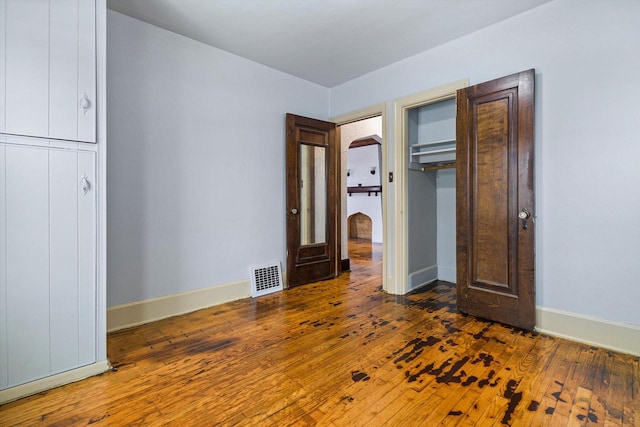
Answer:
[(616, 336), (101, 187), (423, 277), (400, 201), (362, 114), (141, 312), (381, 110), (53, 381)]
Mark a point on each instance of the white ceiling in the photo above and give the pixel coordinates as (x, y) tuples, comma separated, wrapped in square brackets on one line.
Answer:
[(324, 41)]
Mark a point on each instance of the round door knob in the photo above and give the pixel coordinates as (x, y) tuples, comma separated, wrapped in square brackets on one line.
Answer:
[(524, 214), (294, 211)]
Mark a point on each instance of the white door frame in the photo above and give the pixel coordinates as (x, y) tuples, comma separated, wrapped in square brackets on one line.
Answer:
[(400, 226), (366, 113)]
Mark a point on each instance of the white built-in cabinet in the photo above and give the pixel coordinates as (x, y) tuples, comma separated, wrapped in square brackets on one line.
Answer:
[(52, 309), (48, 260), (48, 68)]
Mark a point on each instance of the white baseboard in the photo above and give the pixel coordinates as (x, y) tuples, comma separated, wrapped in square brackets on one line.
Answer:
[(33, 387), (423, 277), (448, 274), (140, 312), (616, 336)]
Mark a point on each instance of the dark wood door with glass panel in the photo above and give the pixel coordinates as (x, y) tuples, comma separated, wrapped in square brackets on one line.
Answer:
[(495, 200), (312, 170)]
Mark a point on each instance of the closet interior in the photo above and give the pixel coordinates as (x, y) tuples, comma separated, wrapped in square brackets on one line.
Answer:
[(431, 188)]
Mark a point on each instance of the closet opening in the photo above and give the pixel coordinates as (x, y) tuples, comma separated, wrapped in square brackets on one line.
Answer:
[(425, 248), (470, 225), (431, 193)]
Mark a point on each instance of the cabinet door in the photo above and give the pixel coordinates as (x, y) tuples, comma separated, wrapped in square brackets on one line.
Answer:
[(48, 253), (27, 67), (71, 259), (48, 68), (72, 71), (27, 258), (87, 83)]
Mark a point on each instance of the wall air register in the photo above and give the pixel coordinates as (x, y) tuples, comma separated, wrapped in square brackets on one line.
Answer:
[(266, 280)]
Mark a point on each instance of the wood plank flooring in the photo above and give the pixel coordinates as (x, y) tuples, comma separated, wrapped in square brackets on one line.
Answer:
[(343, 353)]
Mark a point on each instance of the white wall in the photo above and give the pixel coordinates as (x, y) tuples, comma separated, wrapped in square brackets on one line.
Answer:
[(446, 227), (196, 163), (587, 127)]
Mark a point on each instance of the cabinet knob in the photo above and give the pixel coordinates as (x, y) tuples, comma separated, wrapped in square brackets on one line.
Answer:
[(85, 103), (86, 185)]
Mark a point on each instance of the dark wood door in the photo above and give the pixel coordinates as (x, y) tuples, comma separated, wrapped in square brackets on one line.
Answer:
[(495, 200), (312, 198)]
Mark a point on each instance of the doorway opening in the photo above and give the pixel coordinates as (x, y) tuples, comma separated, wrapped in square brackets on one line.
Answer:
[(359, 226), (362, 201), (308, 142), (425, 158), (360, 246), (488, 133), (431, 192)]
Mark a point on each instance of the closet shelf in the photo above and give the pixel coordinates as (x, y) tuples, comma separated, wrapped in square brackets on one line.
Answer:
[(428, 143), (366, 189), (434, 152), (435, 167), (442, 150)]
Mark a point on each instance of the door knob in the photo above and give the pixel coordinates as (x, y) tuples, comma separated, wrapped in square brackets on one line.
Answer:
[(294, 211), (524, 215)]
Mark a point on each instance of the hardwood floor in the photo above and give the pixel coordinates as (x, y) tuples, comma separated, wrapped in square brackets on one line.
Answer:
[(343, 353)]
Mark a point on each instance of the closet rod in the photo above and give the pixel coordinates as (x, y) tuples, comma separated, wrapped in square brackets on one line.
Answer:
[(438, 167)]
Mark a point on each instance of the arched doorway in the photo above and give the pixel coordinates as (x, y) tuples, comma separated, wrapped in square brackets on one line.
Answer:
[(360, 226)]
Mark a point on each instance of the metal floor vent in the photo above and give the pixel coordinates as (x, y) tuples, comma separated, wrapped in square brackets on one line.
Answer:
[(266, 280)]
